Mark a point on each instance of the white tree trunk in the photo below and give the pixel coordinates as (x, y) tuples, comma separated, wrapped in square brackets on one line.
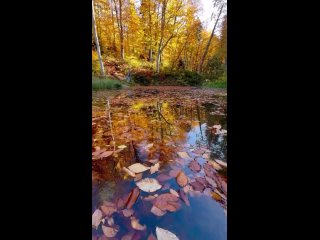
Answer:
[(97, 41)]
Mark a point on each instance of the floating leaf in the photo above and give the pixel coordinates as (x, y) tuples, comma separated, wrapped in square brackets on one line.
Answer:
[(127, 212), (198, 152), (150, 197), (184, 197), (109, 231), (130, 173), (174, 192), (220, 194), (206, 156), (154, 168), (138, 168), (203, 181), (108, 208), (174, 172), (136, 225), (187, 188), (96, 218), (157, 211), (110, 221), (184, 155), (197, 186), (149, 185), (224, 186), (182, 179), (215, 165), (153, 161), (133, 197), (163, 234), (167, 202), (195, 166)]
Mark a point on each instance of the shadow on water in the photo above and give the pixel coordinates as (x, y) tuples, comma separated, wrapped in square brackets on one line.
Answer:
[(152, 128)]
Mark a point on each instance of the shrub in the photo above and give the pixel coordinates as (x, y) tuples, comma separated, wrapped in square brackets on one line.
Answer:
[(105, 83)]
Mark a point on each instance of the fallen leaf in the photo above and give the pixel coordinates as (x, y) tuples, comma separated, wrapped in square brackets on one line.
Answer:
[(122, 146), (224, 186), (150, 197), (130, 173), (136, 225), (149, 145), (138, 176), (110, 221), (153, 161), (222, 163), (195, 166), (216, 196), (127, 236), (182, 179), (163, 234), (211, 182), (149, 185), (197, 186), (187, 188), (209, 170), (202, 180), (157, 211), (215, 165), (96, 218), (206, 156), (207, 192), (174, 192), (154, 168), (105, 154), (184, 155), (220, 194), (167, 202), (138, 168), (108, 208), (109, 231), (127, 212), (184, 197), (133, 197)]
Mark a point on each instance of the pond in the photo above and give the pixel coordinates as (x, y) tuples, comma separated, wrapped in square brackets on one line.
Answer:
[(178, 138)]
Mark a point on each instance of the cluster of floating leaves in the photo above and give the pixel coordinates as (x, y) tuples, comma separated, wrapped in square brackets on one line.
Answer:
[(146, 145)]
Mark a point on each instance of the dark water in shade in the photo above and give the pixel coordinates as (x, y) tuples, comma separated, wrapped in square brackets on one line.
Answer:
[(205, 219)]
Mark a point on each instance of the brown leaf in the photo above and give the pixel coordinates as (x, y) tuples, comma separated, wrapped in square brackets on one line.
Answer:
[(109, 231), (203, 181), (136, 225), (211, 182), (216, 196), (167, 202), (157, 211), (127, 212), (184, 197), (224, 186), (187, 188), (195, 166), (138, 168), (209, 170), (108, 208), (184, 155), (182, 179), (133, 197), (174, 192), (197, 186), (222, 163), (149, 185)]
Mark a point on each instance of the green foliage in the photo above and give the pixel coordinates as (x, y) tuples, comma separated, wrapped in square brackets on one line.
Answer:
[(105, 84), (219, 83), (215, 68)]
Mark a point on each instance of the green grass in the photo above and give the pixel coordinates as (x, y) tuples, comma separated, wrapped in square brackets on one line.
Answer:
[(216, 84), (105, 84)]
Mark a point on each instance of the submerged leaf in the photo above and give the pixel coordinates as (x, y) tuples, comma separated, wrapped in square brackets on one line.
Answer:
[(157, 211), (167, 202), (182, 179), (195, 166), (184, 197), (127, 212), (109, 231), (163, 177), (174, 192), (163, 234), (149, 185), (138, 168), (136, 225)]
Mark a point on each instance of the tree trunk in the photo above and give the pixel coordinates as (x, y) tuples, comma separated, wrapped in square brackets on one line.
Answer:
[(121, 31), (163, 19), (209, 42), (97, 41), (113, 28)]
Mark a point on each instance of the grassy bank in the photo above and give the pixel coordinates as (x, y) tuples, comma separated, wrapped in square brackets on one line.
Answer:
[(105, 84)]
